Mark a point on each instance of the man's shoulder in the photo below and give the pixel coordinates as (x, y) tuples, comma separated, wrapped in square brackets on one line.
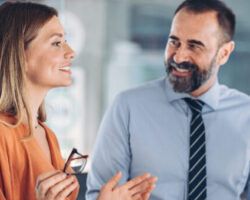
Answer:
[(234, 96), (146, 89), (144, 94)]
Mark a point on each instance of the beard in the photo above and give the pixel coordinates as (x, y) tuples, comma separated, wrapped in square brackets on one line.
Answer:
[(189, 83)]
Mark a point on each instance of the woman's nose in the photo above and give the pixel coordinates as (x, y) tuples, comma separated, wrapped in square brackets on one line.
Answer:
[(69, 52)]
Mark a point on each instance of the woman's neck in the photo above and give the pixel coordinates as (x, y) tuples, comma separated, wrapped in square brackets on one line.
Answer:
[(33, 99)]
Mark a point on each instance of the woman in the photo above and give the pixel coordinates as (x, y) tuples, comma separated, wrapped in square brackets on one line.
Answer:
[(34, 58)]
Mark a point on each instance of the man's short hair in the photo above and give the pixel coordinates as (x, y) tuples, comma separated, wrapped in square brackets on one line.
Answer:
[(225, 16)]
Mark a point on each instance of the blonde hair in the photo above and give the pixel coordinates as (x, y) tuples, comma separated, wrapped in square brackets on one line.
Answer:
[(19, 25)]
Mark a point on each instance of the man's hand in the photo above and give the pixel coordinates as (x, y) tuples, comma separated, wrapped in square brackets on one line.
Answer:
[(138, 188)]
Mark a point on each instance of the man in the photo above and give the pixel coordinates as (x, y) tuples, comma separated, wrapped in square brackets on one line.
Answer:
[(187, 129)]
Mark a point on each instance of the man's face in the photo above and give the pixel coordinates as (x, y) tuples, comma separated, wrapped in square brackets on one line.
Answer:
[(191, 51)]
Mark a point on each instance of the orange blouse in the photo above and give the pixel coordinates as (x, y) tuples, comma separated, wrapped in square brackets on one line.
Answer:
[(21, 161)]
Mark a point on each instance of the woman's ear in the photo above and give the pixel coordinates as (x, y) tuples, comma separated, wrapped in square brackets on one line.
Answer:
[(224, 52)]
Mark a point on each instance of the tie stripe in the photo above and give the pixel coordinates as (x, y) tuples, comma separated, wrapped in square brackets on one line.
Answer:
[(197, 174)]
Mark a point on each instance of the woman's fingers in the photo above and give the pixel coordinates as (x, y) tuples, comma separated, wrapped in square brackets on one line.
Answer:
[(44, 176), (62, 188), (47, 180), (55, 185), (67, 191)]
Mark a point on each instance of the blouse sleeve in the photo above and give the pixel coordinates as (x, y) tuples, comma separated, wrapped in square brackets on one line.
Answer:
[(1, 195), (5, 182)]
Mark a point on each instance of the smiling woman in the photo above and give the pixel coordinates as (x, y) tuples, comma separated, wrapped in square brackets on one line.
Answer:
[(34, 58), (49, 57)]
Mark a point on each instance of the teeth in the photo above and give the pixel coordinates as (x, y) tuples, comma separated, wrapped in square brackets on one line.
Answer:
[(181, 70), (65, 68)]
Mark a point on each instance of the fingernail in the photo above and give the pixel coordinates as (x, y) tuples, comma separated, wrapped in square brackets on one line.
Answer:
[(64, 175)]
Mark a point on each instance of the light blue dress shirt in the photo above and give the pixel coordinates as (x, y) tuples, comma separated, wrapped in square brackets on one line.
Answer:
[(147, 130)]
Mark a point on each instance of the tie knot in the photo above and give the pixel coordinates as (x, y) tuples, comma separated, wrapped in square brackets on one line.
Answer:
[(194, 104)]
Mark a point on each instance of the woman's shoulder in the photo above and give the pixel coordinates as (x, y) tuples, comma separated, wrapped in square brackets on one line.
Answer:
[(5, 135), (7, 119), (7, 123)]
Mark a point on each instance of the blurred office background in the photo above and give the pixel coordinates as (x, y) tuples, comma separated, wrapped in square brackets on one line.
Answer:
[(120, 44)]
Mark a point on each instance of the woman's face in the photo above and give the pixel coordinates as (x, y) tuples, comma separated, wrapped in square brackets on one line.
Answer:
[(48, 57)]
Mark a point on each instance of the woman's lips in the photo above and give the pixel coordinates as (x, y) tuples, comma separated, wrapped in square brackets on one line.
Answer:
[(65, 69)]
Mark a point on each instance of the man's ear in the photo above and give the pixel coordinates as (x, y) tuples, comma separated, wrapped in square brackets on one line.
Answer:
[(224, 52)]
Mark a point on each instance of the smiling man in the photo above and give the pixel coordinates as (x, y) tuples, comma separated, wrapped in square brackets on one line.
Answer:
[(200, 42), (187, 129)]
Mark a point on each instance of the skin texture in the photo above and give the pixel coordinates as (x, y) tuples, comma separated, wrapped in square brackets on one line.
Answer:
[(197, 38)]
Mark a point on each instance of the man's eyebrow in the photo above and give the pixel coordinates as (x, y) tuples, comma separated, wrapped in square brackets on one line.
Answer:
[(173, 37), (197, 42)]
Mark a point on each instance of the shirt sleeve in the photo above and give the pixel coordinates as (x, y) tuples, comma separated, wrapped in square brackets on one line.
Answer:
[(111, 152), (246, 193)]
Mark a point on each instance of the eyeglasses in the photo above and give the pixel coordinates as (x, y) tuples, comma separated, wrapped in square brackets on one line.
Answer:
[(75, 163)]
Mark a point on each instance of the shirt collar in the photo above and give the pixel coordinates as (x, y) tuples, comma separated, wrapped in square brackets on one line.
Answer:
[(210, 98)]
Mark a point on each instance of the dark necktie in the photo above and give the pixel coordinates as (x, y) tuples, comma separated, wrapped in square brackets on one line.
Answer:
[(197, 181)]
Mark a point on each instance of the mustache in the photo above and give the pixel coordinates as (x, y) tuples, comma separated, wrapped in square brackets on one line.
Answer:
[(183, 65)]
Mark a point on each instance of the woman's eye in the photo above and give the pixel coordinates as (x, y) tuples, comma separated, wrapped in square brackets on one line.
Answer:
[(57, 44)]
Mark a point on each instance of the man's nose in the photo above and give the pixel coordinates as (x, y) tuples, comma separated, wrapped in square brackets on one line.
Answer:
[(181, 55)]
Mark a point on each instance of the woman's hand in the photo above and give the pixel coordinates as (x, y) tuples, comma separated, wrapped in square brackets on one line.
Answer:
[(55, 185), (138, 188)]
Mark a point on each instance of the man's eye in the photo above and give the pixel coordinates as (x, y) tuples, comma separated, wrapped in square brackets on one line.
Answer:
[(174, 43), (193, 47)]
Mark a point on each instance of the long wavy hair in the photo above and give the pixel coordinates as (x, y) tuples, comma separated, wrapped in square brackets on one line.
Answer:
[(19, 25)]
